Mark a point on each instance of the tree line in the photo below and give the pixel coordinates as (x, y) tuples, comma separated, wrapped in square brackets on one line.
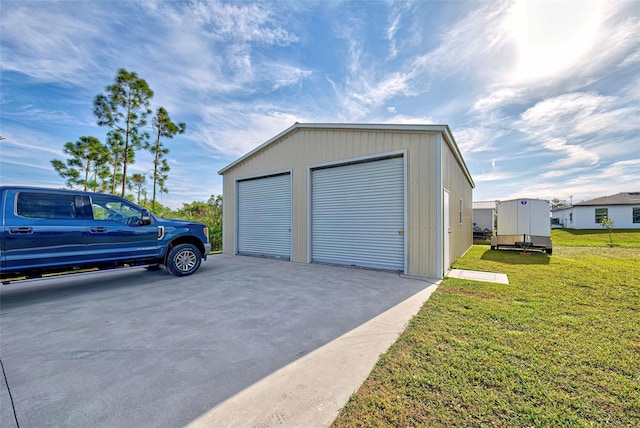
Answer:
[(124, 110), (209, 213)]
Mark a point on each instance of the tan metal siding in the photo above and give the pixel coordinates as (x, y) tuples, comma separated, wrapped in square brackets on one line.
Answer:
[(421, 205), (305, 147), (454, 180)]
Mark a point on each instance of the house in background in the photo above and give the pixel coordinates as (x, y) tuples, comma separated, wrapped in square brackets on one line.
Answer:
[(623, 208), (381, 196), (484, 217)]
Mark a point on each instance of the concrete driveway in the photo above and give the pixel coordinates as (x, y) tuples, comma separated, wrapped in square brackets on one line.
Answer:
[(136, 348)]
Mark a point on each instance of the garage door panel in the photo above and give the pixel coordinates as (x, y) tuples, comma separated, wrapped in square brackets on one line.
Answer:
[(358, 214), (264, 216)]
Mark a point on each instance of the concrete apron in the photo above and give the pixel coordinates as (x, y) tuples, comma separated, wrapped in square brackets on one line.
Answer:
[(474, 275), (310, 391)]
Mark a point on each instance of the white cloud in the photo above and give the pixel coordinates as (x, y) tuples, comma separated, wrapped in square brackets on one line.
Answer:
[(477, 139), (199, 46), (631, 59), (241, 130), (625, 170), (375, 94), (406, 120), (575, 124), (466, 44), (391, 35), (31, 112), (622, 176), (576, 115), (281, 75), (561, 47), (492, 176), (477, 40), (46, 52), (249, 22), (563, 172), (499, 98)]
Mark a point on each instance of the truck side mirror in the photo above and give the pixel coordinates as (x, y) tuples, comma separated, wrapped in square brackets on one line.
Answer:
[(145, 218)]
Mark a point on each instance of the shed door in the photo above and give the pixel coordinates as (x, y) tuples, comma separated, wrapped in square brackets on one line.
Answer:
[(358, 214), (264, 216)]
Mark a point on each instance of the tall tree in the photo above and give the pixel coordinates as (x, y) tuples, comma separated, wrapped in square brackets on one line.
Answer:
[(557, 204), (115, 142), (124, 109), (163, 127), (137, 183), (86, 164), (72, 175)]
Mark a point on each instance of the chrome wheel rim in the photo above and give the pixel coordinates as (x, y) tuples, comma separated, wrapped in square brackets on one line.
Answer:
[(186, 260)]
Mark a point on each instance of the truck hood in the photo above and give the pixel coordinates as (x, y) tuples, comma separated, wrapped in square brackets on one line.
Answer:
[(174, 222)]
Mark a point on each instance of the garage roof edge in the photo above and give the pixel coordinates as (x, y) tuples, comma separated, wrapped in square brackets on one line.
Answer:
[(443, 129)]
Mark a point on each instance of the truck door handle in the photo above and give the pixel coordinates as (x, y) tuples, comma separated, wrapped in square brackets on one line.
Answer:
[(20, 230), (99, 229)]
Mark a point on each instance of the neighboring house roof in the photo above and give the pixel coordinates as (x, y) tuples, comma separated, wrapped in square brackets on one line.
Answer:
[(443, 129), (623, 198), (484, 205)]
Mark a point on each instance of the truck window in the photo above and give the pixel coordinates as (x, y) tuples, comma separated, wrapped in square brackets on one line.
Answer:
[(49, 206), (105, 208)]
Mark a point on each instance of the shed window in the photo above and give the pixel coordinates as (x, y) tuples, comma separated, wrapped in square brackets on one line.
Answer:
[(636, 214), (460, 212), (601, 213)]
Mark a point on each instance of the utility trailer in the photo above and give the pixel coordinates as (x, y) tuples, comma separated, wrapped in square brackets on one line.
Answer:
[(524, 224)]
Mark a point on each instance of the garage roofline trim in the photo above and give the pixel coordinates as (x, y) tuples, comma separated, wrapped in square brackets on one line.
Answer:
[(442, 129)]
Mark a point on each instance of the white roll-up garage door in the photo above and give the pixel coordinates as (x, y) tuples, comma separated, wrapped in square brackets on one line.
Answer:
[(264, 216), (358, 214)]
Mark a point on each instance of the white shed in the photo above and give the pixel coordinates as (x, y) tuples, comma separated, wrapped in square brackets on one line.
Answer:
[(484, 216)]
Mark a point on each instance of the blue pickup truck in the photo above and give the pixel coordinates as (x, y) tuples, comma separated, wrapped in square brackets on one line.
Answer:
[(45, 231)]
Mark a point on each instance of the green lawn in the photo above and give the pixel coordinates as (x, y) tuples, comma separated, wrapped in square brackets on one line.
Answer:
[(596, 237), (559, 346)]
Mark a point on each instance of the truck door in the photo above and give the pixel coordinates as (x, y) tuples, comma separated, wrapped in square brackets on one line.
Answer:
[(43, 230), (116, 233)]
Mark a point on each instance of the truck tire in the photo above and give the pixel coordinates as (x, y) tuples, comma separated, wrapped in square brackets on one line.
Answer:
[(183, 259)]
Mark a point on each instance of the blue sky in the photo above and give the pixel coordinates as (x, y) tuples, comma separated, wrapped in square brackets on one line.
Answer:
[(542, 97)]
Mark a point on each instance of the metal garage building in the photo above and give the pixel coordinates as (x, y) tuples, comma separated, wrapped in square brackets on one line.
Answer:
[(383, 196)]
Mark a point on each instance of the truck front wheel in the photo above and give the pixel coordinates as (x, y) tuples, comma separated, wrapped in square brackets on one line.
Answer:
[(183, 259)]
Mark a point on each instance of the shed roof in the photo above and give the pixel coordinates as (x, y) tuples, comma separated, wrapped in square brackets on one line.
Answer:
[(443, 129), (484, 205), (622, 198)]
